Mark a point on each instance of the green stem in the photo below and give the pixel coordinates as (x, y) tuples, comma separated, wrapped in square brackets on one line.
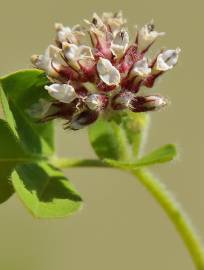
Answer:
[(162, 196), (64, 163), (175, 213)]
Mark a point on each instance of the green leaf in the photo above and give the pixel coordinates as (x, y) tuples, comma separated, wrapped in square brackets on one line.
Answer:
[(11, 154), (7, 112), (23, 89), (45, 191), (25, 146), (164, 154), (119, 137), (161, 155)]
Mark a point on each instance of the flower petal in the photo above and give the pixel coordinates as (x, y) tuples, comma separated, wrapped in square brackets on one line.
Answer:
[(44, 61), (107, 72), (62, 92), (167, 60), (141, 68), (96, 102), (147, 35), (120, 43)]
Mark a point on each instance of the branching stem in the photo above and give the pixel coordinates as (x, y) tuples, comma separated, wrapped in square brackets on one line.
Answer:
[(162, 196)]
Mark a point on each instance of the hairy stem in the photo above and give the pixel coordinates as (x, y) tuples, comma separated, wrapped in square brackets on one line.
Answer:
[(162, 196), (176, 215)]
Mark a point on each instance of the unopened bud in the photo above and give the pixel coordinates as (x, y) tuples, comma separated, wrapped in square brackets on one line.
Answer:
[(83, 119), (147, 103)]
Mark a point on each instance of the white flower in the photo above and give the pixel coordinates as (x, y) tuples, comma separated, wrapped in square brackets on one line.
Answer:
[(67, 34), (75, 53), (120, 43), (114, 21), (141, 68), (107, 72), (44, 61), (62, 92), (147, 35), (167, 60), (98, 22)]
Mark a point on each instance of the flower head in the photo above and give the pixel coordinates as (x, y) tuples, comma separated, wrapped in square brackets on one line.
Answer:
[(87, 81)]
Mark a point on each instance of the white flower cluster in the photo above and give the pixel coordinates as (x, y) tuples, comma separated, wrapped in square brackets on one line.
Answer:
[(86, 79)]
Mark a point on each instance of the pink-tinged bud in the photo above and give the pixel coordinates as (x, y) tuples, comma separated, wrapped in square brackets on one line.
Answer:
[(128, 100), (82, 92), (150, 80), (66, 72), (97, 102), (88, 68), (60, 110), (147, 103), (128, 60), (100, 38), (82, 120), (104, 87)]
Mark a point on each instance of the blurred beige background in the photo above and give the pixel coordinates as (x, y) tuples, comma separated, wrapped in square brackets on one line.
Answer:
[(120, 227)]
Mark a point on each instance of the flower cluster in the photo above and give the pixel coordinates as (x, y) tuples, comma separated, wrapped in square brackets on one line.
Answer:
[(104, 75)]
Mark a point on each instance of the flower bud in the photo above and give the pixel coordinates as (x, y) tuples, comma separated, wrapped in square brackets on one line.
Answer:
[(83, 119), (147, 103), (96, 102), (62, 92), (129, 58)]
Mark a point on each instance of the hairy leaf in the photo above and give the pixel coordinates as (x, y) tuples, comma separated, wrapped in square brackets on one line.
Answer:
[(164, 154)]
